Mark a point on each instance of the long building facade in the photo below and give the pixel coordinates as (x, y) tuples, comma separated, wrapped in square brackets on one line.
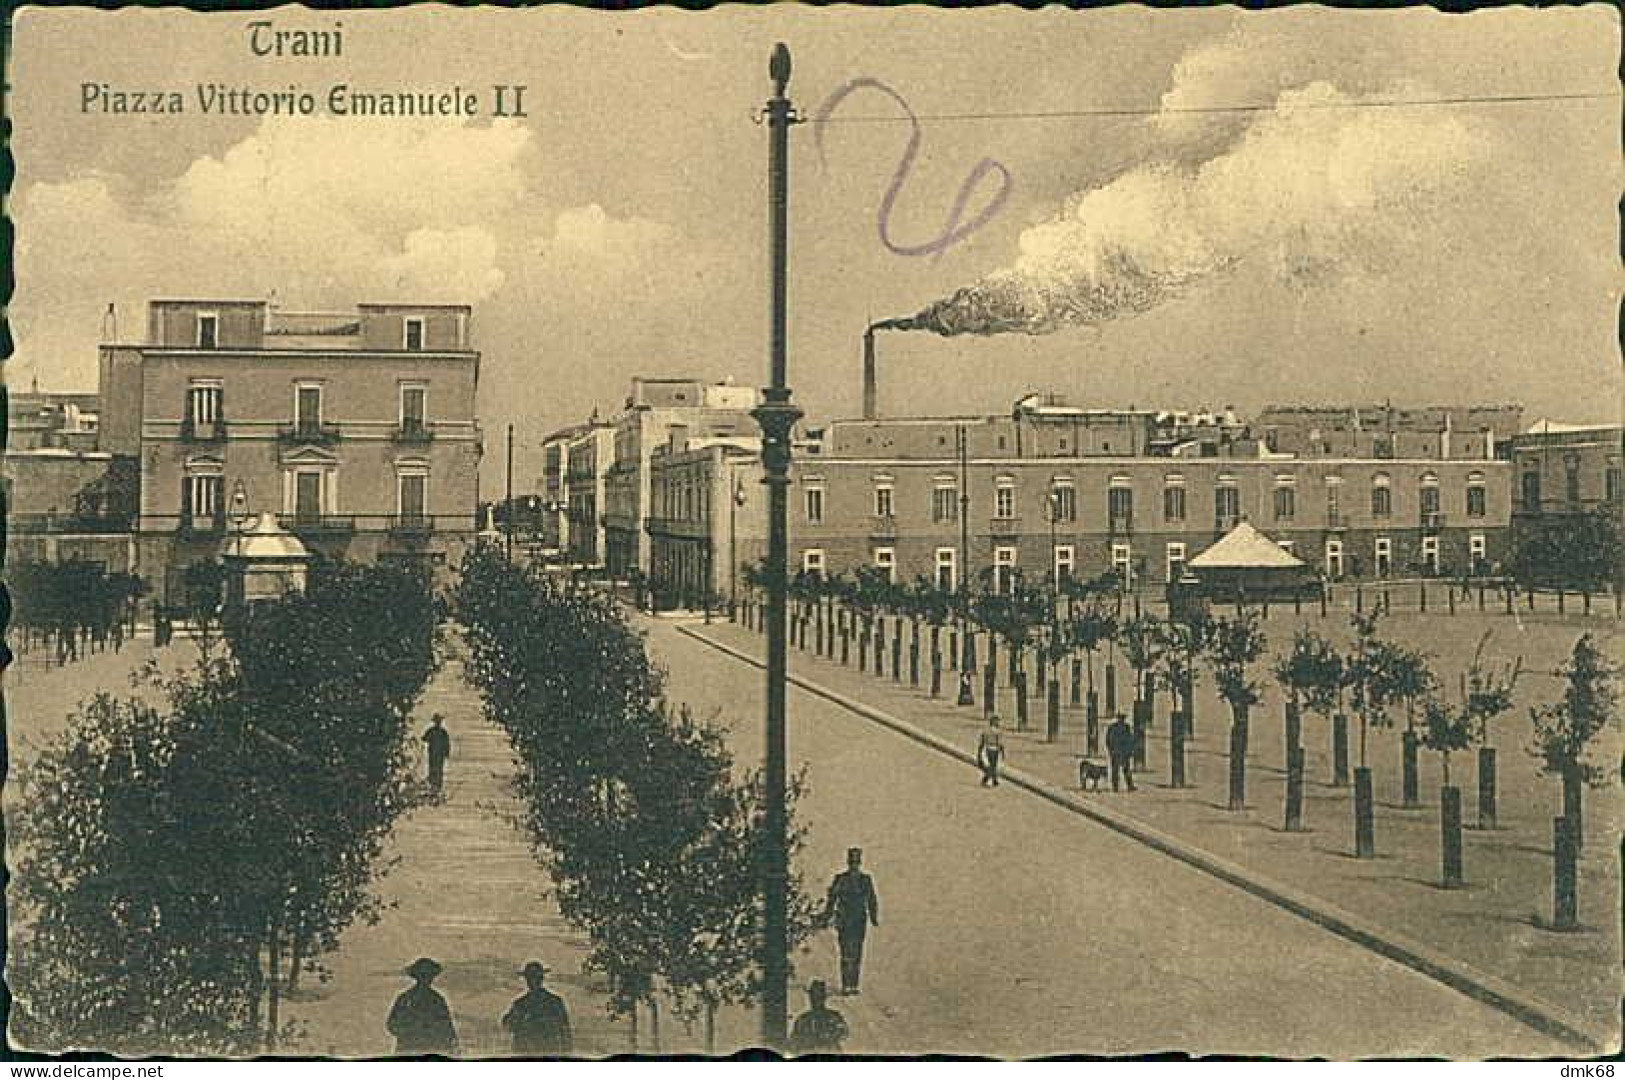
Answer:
[(357, 429)]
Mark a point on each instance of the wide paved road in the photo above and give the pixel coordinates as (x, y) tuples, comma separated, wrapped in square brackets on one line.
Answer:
[(1010, 927)]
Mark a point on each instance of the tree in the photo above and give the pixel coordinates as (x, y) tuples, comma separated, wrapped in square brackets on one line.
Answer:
[(1575, 551), (1377, 674), (1234, 645), (1566, 729), (1313, 676)]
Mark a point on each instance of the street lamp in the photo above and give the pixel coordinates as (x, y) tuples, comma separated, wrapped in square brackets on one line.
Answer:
[(735, 501), (967, 650), (777, 417)]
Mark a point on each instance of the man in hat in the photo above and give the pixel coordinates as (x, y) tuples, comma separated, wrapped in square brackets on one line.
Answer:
[(819, 1030), (852, 906), (421, 1019), (1120, 743), (538, 1020), (438, 741)]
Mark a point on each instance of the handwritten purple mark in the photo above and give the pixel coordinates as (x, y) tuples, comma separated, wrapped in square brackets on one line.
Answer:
[(955, 229)]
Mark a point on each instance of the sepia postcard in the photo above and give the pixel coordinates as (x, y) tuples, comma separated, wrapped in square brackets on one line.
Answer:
[(814, 530)]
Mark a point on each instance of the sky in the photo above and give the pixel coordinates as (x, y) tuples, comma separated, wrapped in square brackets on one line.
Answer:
[(1303, 245)]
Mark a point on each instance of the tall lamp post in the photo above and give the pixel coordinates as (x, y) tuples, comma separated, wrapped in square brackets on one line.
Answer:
[(967, 650), (777, 417), (736, 499)]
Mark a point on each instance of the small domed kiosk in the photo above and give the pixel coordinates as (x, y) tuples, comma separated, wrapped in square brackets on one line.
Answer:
[(263, 561)]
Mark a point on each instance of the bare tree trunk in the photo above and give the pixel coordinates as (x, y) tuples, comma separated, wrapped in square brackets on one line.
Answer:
[(634, 1032), (296, 960), (711, 1029), (256, 991), (273, 1016), (654, 1023)]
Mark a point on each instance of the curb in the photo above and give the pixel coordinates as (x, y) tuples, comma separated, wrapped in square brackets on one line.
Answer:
[(1463, 978)]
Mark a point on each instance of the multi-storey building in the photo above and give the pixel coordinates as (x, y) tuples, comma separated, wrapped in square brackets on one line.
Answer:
[(891, 494), (1566, 474), (708, 518), (655, 410), (1468, 433), (49, 419), (551, 486), (356, 428), (587, 458)]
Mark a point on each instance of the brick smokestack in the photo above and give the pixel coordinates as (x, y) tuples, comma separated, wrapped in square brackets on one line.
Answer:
[(869, 374)]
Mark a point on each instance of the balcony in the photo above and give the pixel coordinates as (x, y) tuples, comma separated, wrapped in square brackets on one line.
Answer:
[(1120, 525), (411, 526), (1008, 526), (1223, 523), (413, 433), (1432, 520), (1336, 520), (883, 528), (70, 523), (202, 524), (203, 431), (309, 434), (316, 524)]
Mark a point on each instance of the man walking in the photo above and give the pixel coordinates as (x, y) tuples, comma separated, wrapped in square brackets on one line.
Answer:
[(538, 1021), (438, 741), (421, 1019), (1120, 750), (989, 751), (819, 1030), (853, 907)]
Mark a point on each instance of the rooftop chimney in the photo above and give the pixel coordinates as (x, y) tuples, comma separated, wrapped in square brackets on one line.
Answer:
[(869, 373)]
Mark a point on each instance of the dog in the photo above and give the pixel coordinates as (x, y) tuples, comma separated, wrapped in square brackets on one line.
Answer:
[(1090, 775)]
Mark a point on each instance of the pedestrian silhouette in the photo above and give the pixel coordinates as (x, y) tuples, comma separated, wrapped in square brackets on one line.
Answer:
[(538, 1020), (853, 907), (438, 740), (819, 1030), (989, 751), (1120, 750), (420, 1019)]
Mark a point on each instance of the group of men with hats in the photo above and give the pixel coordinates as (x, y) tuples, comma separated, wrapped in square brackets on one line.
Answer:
[(421, 1020)]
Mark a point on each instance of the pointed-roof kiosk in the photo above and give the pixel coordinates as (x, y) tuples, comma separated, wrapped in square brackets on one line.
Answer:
[(1245, 564)]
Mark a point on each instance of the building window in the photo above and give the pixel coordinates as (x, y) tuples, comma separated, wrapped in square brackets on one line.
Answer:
[(1175, 561), (307, 406), (1334, 498), (1123, 565), (208, 330), (1004, 500), (1430, 555), (1063, 502), (1286, 498), (1384, 553), (815, 505), (884, 507), (812, 562), (944, 502), (1334, 560), (1004, 570), (1428, 496), (886, 561), (1226, 504), (1612, 483), (1477, 551), (308, 494), (1531, 492), (1476, 497), (414, 406), (947, 573), (1120, 505), (203, 404), (205, 496), (1173, 499), (414, 335), (412, 496), (1382, 498), (1065, 560), (1571, 480)]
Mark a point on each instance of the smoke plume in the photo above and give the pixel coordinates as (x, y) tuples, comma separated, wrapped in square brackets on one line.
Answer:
[(1312, 190)]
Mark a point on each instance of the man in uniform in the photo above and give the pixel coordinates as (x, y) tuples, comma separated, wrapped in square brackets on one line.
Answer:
[(438, 741), (421, 1019), (539, 1021), (819, 1030), (853, 907)]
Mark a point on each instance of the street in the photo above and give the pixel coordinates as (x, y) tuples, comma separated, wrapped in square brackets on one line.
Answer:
[(1012, 928)]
